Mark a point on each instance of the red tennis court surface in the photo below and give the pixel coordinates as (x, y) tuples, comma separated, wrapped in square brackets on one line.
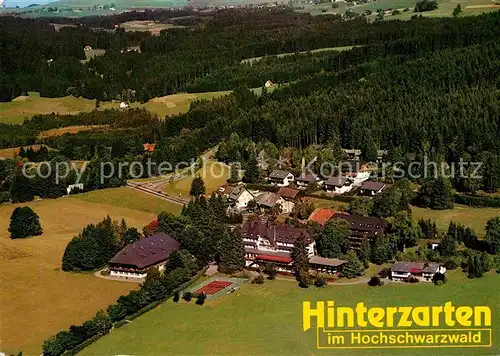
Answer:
[(213, 287)]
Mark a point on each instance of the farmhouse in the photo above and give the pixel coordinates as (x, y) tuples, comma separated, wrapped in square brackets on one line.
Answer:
[(338, 185), (281, 178), (307, 178), (134, 260), (269, 200), (371, 188), (361, 227), (239, 197), (420, 270)]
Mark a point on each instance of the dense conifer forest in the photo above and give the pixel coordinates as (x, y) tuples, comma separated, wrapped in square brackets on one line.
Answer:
[(425, 87)]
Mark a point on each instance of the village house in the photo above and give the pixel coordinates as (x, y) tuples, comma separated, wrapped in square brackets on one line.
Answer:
[(238, 197), (362, 226), (149, 147), (338, 185), (325, 265), (421, 270), (371, 188), (355, 171), (352, 154), (269, 200), (307, 178), (289, 194), (266, 242), (281, 178), (135, 259)]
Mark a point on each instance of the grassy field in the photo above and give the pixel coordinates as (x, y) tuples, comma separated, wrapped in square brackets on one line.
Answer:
[(326, 49), (25, 107), (214, 175), (475, 218), (445, 8), (92, 54), (128, 198), (326, 203), (37, 298), (267, 319), (10, 152), (151, 26)]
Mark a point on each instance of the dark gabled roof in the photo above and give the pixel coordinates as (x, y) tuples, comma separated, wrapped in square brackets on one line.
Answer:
[(146, 252), (237, 192), (414, 267), (373, 186), (337, 181), (289, 193), (307, 177), (279, 174), (268, 199), (275, 233), (365, 224)]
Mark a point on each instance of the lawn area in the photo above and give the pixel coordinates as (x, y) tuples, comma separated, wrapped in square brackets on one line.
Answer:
[(326, 203), (214, 175), (147, 25), (131, 199), (92, 54), (267, 320), (25, 107), (475, 218), (38, 299), (339, 49)]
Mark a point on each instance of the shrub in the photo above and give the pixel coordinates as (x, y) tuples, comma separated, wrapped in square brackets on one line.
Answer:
[(304, 281), (200, 300), (385, 273), (187, 296), (439, 277), (176, 297), (412, 280), (450, 265), (439, 283), (374, 281), (24, 222), (319, 282), (258, 280)]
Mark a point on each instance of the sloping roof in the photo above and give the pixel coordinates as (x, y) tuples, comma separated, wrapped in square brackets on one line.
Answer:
[(265, 257), (146, 252), (337, 181), (373, 186), (237, 192), (278, 232), (149, 147), (289, 193), (414, 267), (333, 262), (364, 223), (307, 177), (279, 174), (268, 199), (322, 215)]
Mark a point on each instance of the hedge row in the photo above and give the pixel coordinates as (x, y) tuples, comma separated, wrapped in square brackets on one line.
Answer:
[(477, 201)]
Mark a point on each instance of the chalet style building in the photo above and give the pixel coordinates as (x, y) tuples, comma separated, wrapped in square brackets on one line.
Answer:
[(268, 242), (401, 271), (307, 178), (238, 197), (289, 194), (281, 178), (371, 188), (362, 226), (134, 260), (338, 185)]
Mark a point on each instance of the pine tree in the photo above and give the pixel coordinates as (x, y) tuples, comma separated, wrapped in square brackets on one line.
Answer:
[(197, 187), (365, 250), (235, 174), (24, 222), (231, 252), (354, 267), (252, 171), (300, 256)]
